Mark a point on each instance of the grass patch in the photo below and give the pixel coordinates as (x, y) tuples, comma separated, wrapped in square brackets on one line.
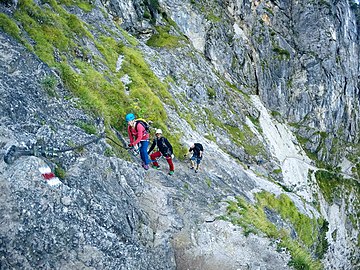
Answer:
[(333, 186), (85, 5), (88, 128), (100, 91), (59, 172), (164, 39), (329, 183), (49, 84), (245, 138), (210, 137), (284, 54), (310, 239), (10, 27), (211, 93), (213, 18)]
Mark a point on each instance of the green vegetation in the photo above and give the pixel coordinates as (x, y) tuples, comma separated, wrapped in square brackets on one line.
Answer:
[(310, 232), (256, 123), (210, 137), (213, 18), (208, 182), (59, 172), (8, 26), (211, 93), (284, 54), (188, 118), (245, 138), (132, 41), (49, 84), (109, 152), (333, 185), (242, 136), (164, 39), (85, 5), (88, 128), (268, 10), (97, 83)]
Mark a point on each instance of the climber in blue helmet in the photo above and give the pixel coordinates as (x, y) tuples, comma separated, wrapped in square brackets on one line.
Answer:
[(138, 136)]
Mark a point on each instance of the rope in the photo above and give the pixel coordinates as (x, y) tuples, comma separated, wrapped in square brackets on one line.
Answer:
[(15, 152)]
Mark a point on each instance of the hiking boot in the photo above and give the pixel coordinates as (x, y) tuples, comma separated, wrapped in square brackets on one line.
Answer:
[(146, 167), (171, 172), (192, 167), (155, 167), (196, 171)]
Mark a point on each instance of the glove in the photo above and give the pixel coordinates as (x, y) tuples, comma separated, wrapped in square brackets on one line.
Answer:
[(172, 156), (136, 147), (130, 145)]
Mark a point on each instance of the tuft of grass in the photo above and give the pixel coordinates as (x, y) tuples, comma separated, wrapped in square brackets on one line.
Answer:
[(211, 93), (49, 83), (88, 128), (210, 137), (213, 18), (59, 172), (85, 5), (208, 182), (10, 27), (109, 152), (310, 232), (329, 184), (162, 38), (245, 138), (284, 54)]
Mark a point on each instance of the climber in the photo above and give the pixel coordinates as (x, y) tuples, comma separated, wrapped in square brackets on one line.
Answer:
[(197, 150), (138, 136), (164, 149)]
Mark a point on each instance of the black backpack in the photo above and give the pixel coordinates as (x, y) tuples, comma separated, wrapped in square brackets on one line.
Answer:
[(199, 146), (143, 123)]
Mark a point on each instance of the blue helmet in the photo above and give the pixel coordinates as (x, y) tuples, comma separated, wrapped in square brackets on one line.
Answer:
[(129, 117)]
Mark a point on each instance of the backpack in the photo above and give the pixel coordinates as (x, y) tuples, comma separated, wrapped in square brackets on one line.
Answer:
[(143, 123), (199, 146)]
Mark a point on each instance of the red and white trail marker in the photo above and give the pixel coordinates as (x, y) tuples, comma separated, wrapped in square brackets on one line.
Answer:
[(49, 176)]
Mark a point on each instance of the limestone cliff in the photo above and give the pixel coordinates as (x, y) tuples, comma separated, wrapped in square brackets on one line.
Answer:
[(270, 88)]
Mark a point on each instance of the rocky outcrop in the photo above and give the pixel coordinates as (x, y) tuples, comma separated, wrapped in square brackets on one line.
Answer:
[(300, 57), (89, 220), (106, 213)]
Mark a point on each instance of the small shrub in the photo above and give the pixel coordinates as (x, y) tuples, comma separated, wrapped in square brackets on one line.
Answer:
[(49, 83), (164, 39), (211, 93), (59, 172), (284, 54), (109, 152), (88, 128)]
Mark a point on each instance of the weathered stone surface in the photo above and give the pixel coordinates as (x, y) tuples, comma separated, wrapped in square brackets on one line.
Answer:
[(109, 214)]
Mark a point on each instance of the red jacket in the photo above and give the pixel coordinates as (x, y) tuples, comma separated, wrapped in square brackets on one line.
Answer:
[(139, 135)]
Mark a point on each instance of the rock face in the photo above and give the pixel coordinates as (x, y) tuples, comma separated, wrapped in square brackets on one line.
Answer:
[(273, 62), (106, 213), (301, 58), (90, 220)]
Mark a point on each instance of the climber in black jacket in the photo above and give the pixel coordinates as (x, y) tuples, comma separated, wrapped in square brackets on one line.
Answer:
[(164, 149)]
